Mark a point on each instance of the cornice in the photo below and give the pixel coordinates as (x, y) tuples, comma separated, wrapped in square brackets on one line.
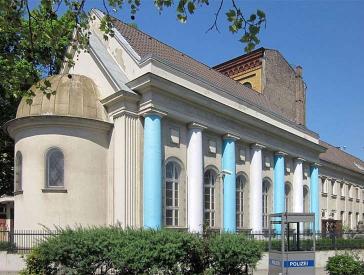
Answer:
[(150, 82), (13, 126), (257, 146), (340, 169)]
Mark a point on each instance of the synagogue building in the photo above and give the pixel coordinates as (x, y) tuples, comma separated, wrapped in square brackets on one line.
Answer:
[(139, 134)]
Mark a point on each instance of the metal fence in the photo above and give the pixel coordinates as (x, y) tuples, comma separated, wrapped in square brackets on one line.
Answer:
[(22, 241)]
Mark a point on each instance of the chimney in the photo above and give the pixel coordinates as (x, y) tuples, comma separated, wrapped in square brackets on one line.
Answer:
[(300, 97)]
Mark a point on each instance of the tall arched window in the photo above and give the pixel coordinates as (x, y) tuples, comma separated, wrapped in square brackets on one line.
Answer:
[(18, 171), (209, 197), (265, 193), (55, 168), (287, 197), (306, 201), (172, 185), (240, 184)]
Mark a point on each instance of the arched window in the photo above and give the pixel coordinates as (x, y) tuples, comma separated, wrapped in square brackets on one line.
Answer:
[(265, 192), (172, 185), (55, 168), (248, 84), (240, 184), (18, 172), (287, 197), (306, 201), (209, 197)]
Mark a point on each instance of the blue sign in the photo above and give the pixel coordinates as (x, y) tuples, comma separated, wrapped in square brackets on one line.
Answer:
[(300, 263)]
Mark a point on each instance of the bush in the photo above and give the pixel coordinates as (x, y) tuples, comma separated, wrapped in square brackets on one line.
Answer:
[(232, 253), (345, 264), (86, 251), (6, 246)]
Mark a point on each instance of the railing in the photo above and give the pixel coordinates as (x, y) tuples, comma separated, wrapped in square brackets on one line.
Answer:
[(22, 241)]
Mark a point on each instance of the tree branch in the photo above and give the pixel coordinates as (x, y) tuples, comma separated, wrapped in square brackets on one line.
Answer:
[(214, 25), (30, 28)]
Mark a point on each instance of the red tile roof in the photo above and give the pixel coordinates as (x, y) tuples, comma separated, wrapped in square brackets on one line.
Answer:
[(339, 157), (146, 45)]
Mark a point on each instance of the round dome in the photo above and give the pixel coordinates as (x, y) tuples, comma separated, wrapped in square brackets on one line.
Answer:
[(74, 96)]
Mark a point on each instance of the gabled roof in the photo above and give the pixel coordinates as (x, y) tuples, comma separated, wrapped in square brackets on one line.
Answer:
[(339, 157), (146, 46)]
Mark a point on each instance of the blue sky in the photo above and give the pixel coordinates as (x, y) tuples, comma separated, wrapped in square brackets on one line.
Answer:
[(325, 37)]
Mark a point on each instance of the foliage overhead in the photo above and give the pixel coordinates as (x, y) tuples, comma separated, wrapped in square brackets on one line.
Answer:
[(85, 251)]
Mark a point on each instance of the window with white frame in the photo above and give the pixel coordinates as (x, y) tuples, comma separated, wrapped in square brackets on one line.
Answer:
[(265, 194), (357, 193), (342, 217), (55, 168), (209, 197), (350, 220), (240, 184), (350, 191), (18, 171), (356, 220), (333, 187), (342, 189), (323, 185), (172, 194)]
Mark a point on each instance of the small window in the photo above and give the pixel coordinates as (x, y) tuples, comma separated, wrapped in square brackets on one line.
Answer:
[(306, 200), (209, 197), (342, 189), (18, 172), (248, 84), (333, 187), (265, 199), (55, 168), (172, 185)]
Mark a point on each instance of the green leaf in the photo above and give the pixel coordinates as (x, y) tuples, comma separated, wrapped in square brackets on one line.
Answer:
[(191, 7)]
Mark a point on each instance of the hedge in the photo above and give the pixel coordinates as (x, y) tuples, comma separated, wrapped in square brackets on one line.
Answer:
[(345, 264), (87, 251)]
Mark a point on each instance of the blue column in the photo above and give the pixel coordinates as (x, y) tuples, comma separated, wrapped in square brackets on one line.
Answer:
[(152, 172), (315, 197), (278, 184), (228, 165)]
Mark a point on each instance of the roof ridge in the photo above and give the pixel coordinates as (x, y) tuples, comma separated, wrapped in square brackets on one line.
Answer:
[(152, 37)]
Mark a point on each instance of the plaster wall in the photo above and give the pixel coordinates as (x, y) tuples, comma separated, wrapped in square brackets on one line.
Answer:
[(85, 65), (85, 178)]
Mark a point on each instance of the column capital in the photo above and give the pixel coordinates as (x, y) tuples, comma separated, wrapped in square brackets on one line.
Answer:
[(152, 111), (196, 125), (280, 153), (299, 159), (257, 146), (315, 165), (230, 136)]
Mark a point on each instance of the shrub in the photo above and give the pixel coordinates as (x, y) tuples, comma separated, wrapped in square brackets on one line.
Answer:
[(86, 251), (231, 253), (345, 264), (6, 246)]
